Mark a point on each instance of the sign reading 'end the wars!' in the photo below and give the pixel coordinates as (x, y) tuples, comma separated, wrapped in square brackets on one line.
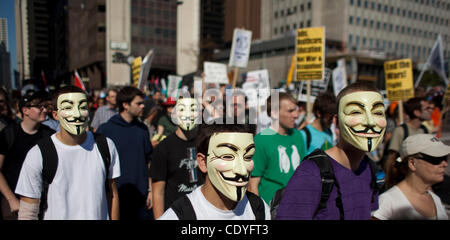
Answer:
[(399, 80), (310, 54)]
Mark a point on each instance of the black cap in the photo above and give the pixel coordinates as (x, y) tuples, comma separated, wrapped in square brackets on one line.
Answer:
[(30, 96)]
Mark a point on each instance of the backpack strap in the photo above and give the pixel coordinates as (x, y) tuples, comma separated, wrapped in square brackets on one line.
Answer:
[(102, 145), (257, 205), (425, 129), (183, 209), (49, 167), (405, 130), (328, 181), (373, 181), (308, 137)]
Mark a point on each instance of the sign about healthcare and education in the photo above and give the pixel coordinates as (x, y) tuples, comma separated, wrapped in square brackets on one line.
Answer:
[(215, 73), (240, 50), (399, 80), (310, 50)]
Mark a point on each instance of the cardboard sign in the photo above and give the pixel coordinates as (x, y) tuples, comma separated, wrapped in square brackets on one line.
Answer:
[(399, 80), (310, 54), (240, 49), (215, 73), (317, 87)]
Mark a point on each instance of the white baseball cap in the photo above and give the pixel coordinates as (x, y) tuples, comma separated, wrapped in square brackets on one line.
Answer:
[(424, 143)]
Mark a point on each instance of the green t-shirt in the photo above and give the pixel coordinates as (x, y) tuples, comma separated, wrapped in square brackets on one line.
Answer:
[(276, 158)]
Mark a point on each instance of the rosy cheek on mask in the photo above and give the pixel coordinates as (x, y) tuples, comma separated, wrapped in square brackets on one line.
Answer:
[(222, 167), (64, 114), (382, 123), (352, 121), (250, 166)]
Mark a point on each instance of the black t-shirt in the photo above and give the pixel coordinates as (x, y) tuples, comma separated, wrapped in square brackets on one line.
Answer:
[(15, 156), (174, 161)]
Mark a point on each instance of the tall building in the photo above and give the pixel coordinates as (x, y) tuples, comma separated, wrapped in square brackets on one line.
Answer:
[(4, 32), (5, 64), (41, 40)]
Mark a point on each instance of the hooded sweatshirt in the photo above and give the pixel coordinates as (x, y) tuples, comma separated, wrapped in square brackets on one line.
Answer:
[(133, 144)]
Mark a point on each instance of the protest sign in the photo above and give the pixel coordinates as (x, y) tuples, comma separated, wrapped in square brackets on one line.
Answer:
[(399, 80), (215, 73), (173, 86), (317, 87), (240, 49), (310, 50), (339, 77)]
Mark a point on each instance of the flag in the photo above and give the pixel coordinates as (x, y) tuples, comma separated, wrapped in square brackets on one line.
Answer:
[(44, 80), (435, 61), (78, 81)]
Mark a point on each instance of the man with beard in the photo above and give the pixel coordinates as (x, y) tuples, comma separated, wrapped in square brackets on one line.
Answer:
[(132, 140), (340, 183), (318, 133), (82, 185), (224, 155), (174, 170)]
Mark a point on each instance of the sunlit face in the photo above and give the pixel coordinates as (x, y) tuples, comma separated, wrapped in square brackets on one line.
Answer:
[(73, 112), (187, 113), (362, 120), (230, 163)]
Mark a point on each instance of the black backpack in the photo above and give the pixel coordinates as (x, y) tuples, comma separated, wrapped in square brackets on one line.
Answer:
[(322, 160), (50, 165), (184, 210)]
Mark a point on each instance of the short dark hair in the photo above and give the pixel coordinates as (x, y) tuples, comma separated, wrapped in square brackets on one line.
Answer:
[(413, 104), (325, 103), (126, 95), (64, 90), (355, 87), (207, 130), (282, 96)]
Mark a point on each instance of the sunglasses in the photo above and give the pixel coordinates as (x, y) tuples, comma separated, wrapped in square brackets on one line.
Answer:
[(431, 159)]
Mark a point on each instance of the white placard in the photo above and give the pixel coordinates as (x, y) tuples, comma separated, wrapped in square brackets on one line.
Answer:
[(339, 77), (173, 86), (317, 87), (215, 72), (240, 49)]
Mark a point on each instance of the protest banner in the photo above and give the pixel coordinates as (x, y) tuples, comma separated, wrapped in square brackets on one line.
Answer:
[(240, 51), (317, 87), (215, 73), (399, 82), (310, 50)]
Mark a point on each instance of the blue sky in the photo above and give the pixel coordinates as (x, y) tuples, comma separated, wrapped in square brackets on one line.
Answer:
[(7, 11)]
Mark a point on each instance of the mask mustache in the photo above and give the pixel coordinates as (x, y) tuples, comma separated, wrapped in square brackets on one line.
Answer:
[(366, 130), (236, 178), (75, 120)]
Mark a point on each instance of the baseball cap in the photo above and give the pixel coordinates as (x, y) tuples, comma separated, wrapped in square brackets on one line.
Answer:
[(170, 101), (424, 143), (30, 96)]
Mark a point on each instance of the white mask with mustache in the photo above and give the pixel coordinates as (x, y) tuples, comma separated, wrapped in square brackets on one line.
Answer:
[(362, 120), (187, 113), (73, 112), (230, 163)]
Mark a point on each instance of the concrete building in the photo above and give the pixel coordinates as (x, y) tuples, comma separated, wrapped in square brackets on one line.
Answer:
[(367, 32)]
